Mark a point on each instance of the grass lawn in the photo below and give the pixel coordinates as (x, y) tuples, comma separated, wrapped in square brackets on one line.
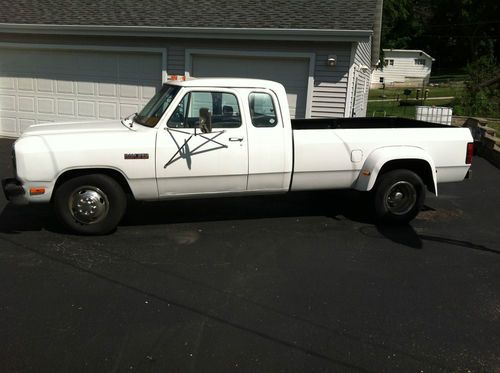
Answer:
[(392, 108)]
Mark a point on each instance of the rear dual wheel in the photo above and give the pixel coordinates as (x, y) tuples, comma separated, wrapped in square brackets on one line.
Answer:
[(399, 196), (90, 204)]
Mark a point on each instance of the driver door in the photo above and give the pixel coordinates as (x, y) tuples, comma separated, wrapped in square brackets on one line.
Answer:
[(189, 161)]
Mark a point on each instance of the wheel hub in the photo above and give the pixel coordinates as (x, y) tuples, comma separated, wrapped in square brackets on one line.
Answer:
[(400, 198), (88, 205)]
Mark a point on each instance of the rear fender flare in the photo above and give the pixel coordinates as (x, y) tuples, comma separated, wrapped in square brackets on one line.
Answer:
[(379, 157)]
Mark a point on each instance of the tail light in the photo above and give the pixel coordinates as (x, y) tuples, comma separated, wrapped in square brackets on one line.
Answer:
[(470, 152)]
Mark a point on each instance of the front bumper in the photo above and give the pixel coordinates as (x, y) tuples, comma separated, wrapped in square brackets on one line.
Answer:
[(14, 191)]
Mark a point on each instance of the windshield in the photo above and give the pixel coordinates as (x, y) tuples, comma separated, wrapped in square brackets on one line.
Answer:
[(154, 109)]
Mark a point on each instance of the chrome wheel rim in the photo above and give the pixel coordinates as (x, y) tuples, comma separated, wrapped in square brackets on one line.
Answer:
[(400, 198), (88, 204)]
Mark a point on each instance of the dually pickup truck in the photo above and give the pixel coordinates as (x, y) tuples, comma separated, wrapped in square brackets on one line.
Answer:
[(221, 137)]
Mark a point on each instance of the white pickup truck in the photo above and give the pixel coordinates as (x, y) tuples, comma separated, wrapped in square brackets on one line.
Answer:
[(206, 137)]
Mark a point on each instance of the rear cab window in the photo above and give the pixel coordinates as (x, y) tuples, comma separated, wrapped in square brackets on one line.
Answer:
[(262, 109)]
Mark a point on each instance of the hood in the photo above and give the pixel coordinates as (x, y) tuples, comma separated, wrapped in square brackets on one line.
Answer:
[(76, 127)]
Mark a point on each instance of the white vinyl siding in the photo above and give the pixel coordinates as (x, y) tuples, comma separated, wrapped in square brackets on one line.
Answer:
[(410, 67), (361, 79)]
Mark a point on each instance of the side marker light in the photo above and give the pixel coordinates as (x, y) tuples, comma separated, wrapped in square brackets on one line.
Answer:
[(37, 191)]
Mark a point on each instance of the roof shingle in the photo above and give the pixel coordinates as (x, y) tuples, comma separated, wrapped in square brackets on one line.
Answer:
[(274, 14)]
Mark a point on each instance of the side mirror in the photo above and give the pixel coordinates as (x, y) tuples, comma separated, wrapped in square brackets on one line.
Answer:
[(205, 120)]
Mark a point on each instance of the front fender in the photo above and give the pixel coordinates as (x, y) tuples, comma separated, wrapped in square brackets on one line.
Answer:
[(35, 160), (379, 157)]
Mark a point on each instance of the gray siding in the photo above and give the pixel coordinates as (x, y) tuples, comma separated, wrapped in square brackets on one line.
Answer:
[(175, 60), (330, 84), (361, 79)]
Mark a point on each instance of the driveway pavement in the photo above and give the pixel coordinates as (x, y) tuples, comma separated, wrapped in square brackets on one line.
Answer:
[(296, 283)]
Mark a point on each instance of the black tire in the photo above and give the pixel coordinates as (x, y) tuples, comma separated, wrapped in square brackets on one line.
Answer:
[(399, 196), (90, 204)]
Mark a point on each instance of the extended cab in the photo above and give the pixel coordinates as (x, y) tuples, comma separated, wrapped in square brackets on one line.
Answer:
[(205, 137)]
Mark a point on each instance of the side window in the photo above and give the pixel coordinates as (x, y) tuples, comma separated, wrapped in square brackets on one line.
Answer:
[(222, 106), (262, 110)]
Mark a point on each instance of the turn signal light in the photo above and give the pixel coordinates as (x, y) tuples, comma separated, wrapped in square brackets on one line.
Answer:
[(37, 191), (470, 153)]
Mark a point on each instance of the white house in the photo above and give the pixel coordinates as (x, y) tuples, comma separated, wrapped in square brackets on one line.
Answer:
[(60, 60), (402, 67)]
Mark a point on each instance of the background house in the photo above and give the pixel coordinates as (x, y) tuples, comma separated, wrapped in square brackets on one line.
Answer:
[(60, 60), (402, 67)]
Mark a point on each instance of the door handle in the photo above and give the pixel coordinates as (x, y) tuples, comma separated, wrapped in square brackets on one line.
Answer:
[(240, 139)]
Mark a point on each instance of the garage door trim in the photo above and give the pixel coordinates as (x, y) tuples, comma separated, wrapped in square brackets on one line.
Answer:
[(90, 48), (238, 53)]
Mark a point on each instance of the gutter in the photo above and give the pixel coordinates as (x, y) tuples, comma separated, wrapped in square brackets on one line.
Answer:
[(192, 32)]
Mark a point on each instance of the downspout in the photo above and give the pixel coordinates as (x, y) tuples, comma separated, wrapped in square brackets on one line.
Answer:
[(377, 31)]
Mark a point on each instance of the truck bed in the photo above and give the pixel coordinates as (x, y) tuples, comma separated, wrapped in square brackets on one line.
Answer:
[(353, 123)]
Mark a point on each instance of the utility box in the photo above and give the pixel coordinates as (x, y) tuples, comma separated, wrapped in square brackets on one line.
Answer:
[(435, 114)]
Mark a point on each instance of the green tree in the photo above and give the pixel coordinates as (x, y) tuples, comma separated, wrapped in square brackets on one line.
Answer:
[(481, 96), (455, 32)]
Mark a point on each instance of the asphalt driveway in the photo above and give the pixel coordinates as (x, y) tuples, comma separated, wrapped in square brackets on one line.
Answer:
[(304, 282)]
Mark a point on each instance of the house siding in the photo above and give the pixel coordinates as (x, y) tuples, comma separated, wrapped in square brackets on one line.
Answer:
[(361, 80), (404, 69)]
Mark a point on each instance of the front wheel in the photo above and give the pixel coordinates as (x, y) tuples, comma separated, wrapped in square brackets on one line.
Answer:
[(90, 204), (399, 196)]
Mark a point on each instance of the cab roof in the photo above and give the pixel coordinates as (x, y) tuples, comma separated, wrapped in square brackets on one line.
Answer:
[(227, 83)]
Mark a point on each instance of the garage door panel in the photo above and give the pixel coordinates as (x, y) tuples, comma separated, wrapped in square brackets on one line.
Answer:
[(45, 85), (8, 125), (106, 89), (26, 84), (293, 73), (86, 109), (26, 104), (65, 87), (85, 88), (46, 105), (7, 83), (147, 92), (107, 110), (66, 107), (8, 102)]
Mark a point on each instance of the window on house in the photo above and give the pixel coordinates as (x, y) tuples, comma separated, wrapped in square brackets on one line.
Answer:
[(420, 61), (381, 79), (391, 62), (386, 62)]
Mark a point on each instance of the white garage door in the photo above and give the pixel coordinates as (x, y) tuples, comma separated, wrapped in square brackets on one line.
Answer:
[(52, 85), (293, 73)]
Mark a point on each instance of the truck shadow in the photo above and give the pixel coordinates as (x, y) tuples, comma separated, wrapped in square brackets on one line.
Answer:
[(332, 204), (351, 205), (338, 205)]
